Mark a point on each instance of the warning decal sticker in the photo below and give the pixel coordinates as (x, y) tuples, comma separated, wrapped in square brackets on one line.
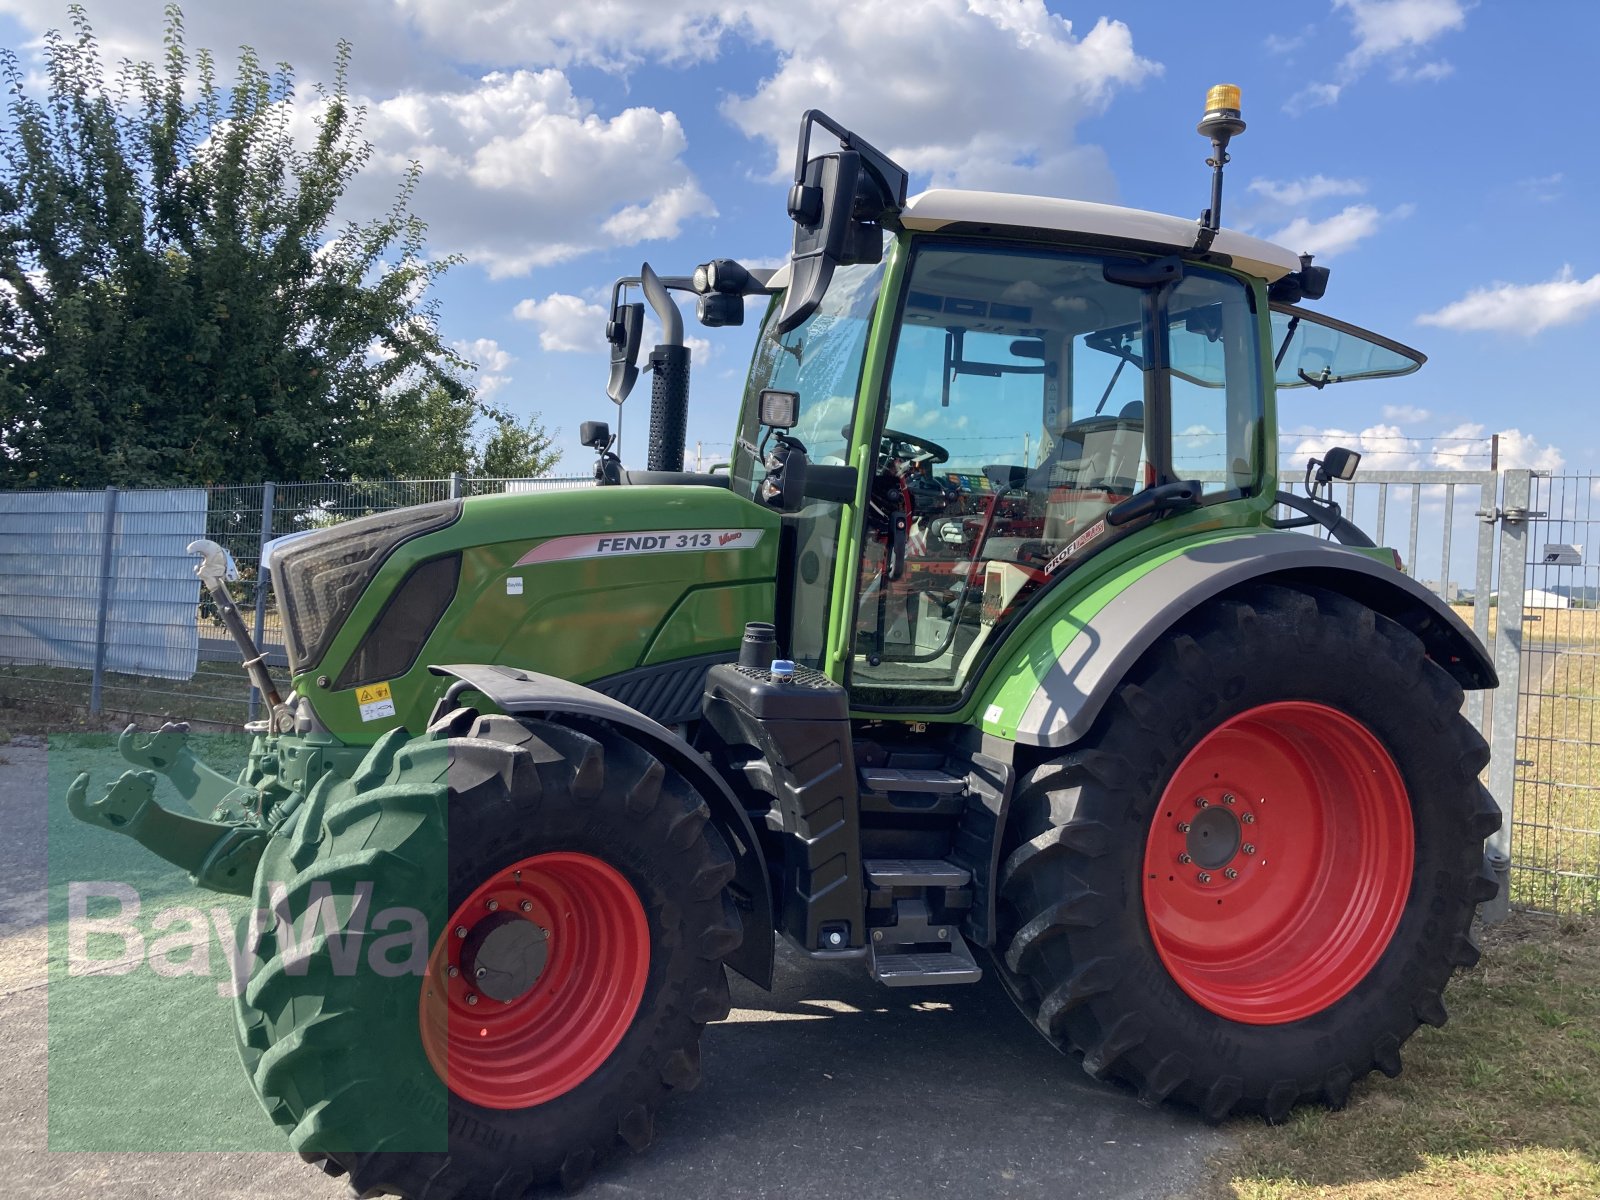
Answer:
[(375, 701), (621, 545)]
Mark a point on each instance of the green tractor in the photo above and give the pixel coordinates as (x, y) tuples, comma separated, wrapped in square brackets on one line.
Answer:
[(990, 650)]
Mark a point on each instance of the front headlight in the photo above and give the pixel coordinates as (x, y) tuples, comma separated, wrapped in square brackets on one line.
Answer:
[(319, 576)]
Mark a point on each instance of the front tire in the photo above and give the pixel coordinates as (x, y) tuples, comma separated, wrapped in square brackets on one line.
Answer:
[(1249, 885), (578, 920)]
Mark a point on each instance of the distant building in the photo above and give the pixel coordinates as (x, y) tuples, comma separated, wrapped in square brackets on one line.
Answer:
[(1538, 598)]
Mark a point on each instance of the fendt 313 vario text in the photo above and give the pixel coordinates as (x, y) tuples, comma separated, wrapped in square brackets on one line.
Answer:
[(991, 650)]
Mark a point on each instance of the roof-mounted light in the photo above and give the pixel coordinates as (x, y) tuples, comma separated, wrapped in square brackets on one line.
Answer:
[(1222, 121)]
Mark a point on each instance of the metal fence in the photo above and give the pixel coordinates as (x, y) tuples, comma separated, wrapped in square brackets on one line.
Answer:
[(1554, 759), (85, 664), (1515, 550)]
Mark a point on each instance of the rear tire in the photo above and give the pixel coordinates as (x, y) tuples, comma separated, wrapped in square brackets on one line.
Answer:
[(1349, 912), (588, 846)]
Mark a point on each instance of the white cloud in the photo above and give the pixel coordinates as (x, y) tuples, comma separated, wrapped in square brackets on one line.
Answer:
[(1521, 308), (486, 352), (492, 360), (1428, 72), (567, 324), (1387, 447), (572, 325), (1397, 27), (1337, 233), (1313, 95), (1405, 414), (520, 172), (888, 68), (1466, 445), (1295, 192), (1392, 31), (1283, 44), (1543, 188)]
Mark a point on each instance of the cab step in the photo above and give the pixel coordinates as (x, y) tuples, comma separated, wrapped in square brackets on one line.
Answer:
[(915, 908)]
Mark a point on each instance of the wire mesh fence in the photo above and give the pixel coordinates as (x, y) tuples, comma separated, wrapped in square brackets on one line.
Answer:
[(83, 572), (1555, 833)]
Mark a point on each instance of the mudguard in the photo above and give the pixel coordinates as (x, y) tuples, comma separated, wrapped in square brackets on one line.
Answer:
[(1073, 689), (528, 692)]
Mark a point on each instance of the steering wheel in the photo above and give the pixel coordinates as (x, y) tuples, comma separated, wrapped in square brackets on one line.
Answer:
[(922, 449)]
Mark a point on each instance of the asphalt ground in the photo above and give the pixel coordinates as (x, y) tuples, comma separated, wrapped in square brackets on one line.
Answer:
[(829, 1086)]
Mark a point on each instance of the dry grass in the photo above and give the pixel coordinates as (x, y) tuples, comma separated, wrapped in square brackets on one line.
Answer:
[(1502, 1102), (1577, 628)]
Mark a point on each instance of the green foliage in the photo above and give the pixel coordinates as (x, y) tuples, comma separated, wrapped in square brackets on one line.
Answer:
[(177, 304)]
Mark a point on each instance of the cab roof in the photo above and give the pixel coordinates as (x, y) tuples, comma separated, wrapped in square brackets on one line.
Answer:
[(941, 208)]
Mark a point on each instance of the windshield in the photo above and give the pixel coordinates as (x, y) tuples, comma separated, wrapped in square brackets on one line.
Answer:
[(821, 359), (1312, 350)]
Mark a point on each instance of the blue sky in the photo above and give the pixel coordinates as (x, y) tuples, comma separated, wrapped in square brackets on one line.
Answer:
[(1436, 153)]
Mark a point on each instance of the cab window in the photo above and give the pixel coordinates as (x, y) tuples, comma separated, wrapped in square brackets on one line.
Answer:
[(1016, 419)]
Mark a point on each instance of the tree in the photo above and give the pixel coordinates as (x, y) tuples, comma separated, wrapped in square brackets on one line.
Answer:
[(177, 304)]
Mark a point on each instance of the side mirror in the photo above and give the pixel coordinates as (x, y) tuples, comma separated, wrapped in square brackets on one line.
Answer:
[(778, 410), (838, 203), (624, 331), (594, 434)]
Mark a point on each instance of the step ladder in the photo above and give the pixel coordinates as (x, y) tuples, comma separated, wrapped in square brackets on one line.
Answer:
[(920, 945)]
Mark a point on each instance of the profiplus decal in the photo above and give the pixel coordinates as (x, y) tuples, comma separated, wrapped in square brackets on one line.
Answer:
[(658, 541)]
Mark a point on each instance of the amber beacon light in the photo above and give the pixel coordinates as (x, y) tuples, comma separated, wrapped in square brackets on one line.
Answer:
[(1222, 122)]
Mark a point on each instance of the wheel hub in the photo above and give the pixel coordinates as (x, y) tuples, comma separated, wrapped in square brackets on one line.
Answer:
[(1213, 838), (504, 956)]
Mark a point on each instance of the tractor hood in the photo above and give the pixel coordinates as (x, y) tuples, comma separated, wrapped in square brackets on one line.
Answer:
[(585, 584)]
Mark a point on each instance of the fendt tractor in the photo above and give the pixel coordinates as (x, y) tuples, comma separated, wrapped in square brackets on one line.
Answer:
[(1000, 645)]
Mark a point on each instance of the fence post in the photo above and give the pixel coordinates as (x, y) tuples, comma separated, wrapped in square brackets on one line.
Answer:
[(1508, 665), (262, 582), (455, 485), (107, 561)]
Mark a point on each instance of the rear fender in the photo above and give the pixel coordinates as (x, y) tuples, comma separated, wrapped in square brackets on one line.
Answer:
[(1074, 688), (526, 693)]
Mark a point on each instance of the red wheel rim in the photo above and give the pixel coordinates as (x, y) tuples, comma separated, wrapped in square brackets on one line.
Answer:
[(1278, 863), (576, 935)]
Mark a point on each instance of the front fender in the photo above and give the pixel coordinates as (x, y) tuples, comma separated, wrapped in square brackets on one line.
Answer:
[(1074, 687), (528, 692)]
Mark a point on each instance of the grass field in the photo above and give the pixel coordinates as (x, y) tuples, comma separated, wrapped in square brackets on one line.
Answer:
[(1503, 1102)]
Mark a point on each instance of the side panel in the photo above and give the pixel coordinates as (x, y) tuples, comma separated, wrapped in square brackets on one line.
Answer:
[(1067, 672), (515, 691)]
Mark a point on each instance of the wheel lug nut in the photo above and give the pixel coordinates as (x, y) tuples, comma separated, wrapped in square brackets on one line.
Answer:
[(1248, 848), (526, 906), (1230, 873), (1249, 818), (472, 998), (1228, 798), (1205, 877), (461, 931), (481, 972), (1183, 827), (454, 972), (493, 906), (1185, 859), (1202, 802)]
